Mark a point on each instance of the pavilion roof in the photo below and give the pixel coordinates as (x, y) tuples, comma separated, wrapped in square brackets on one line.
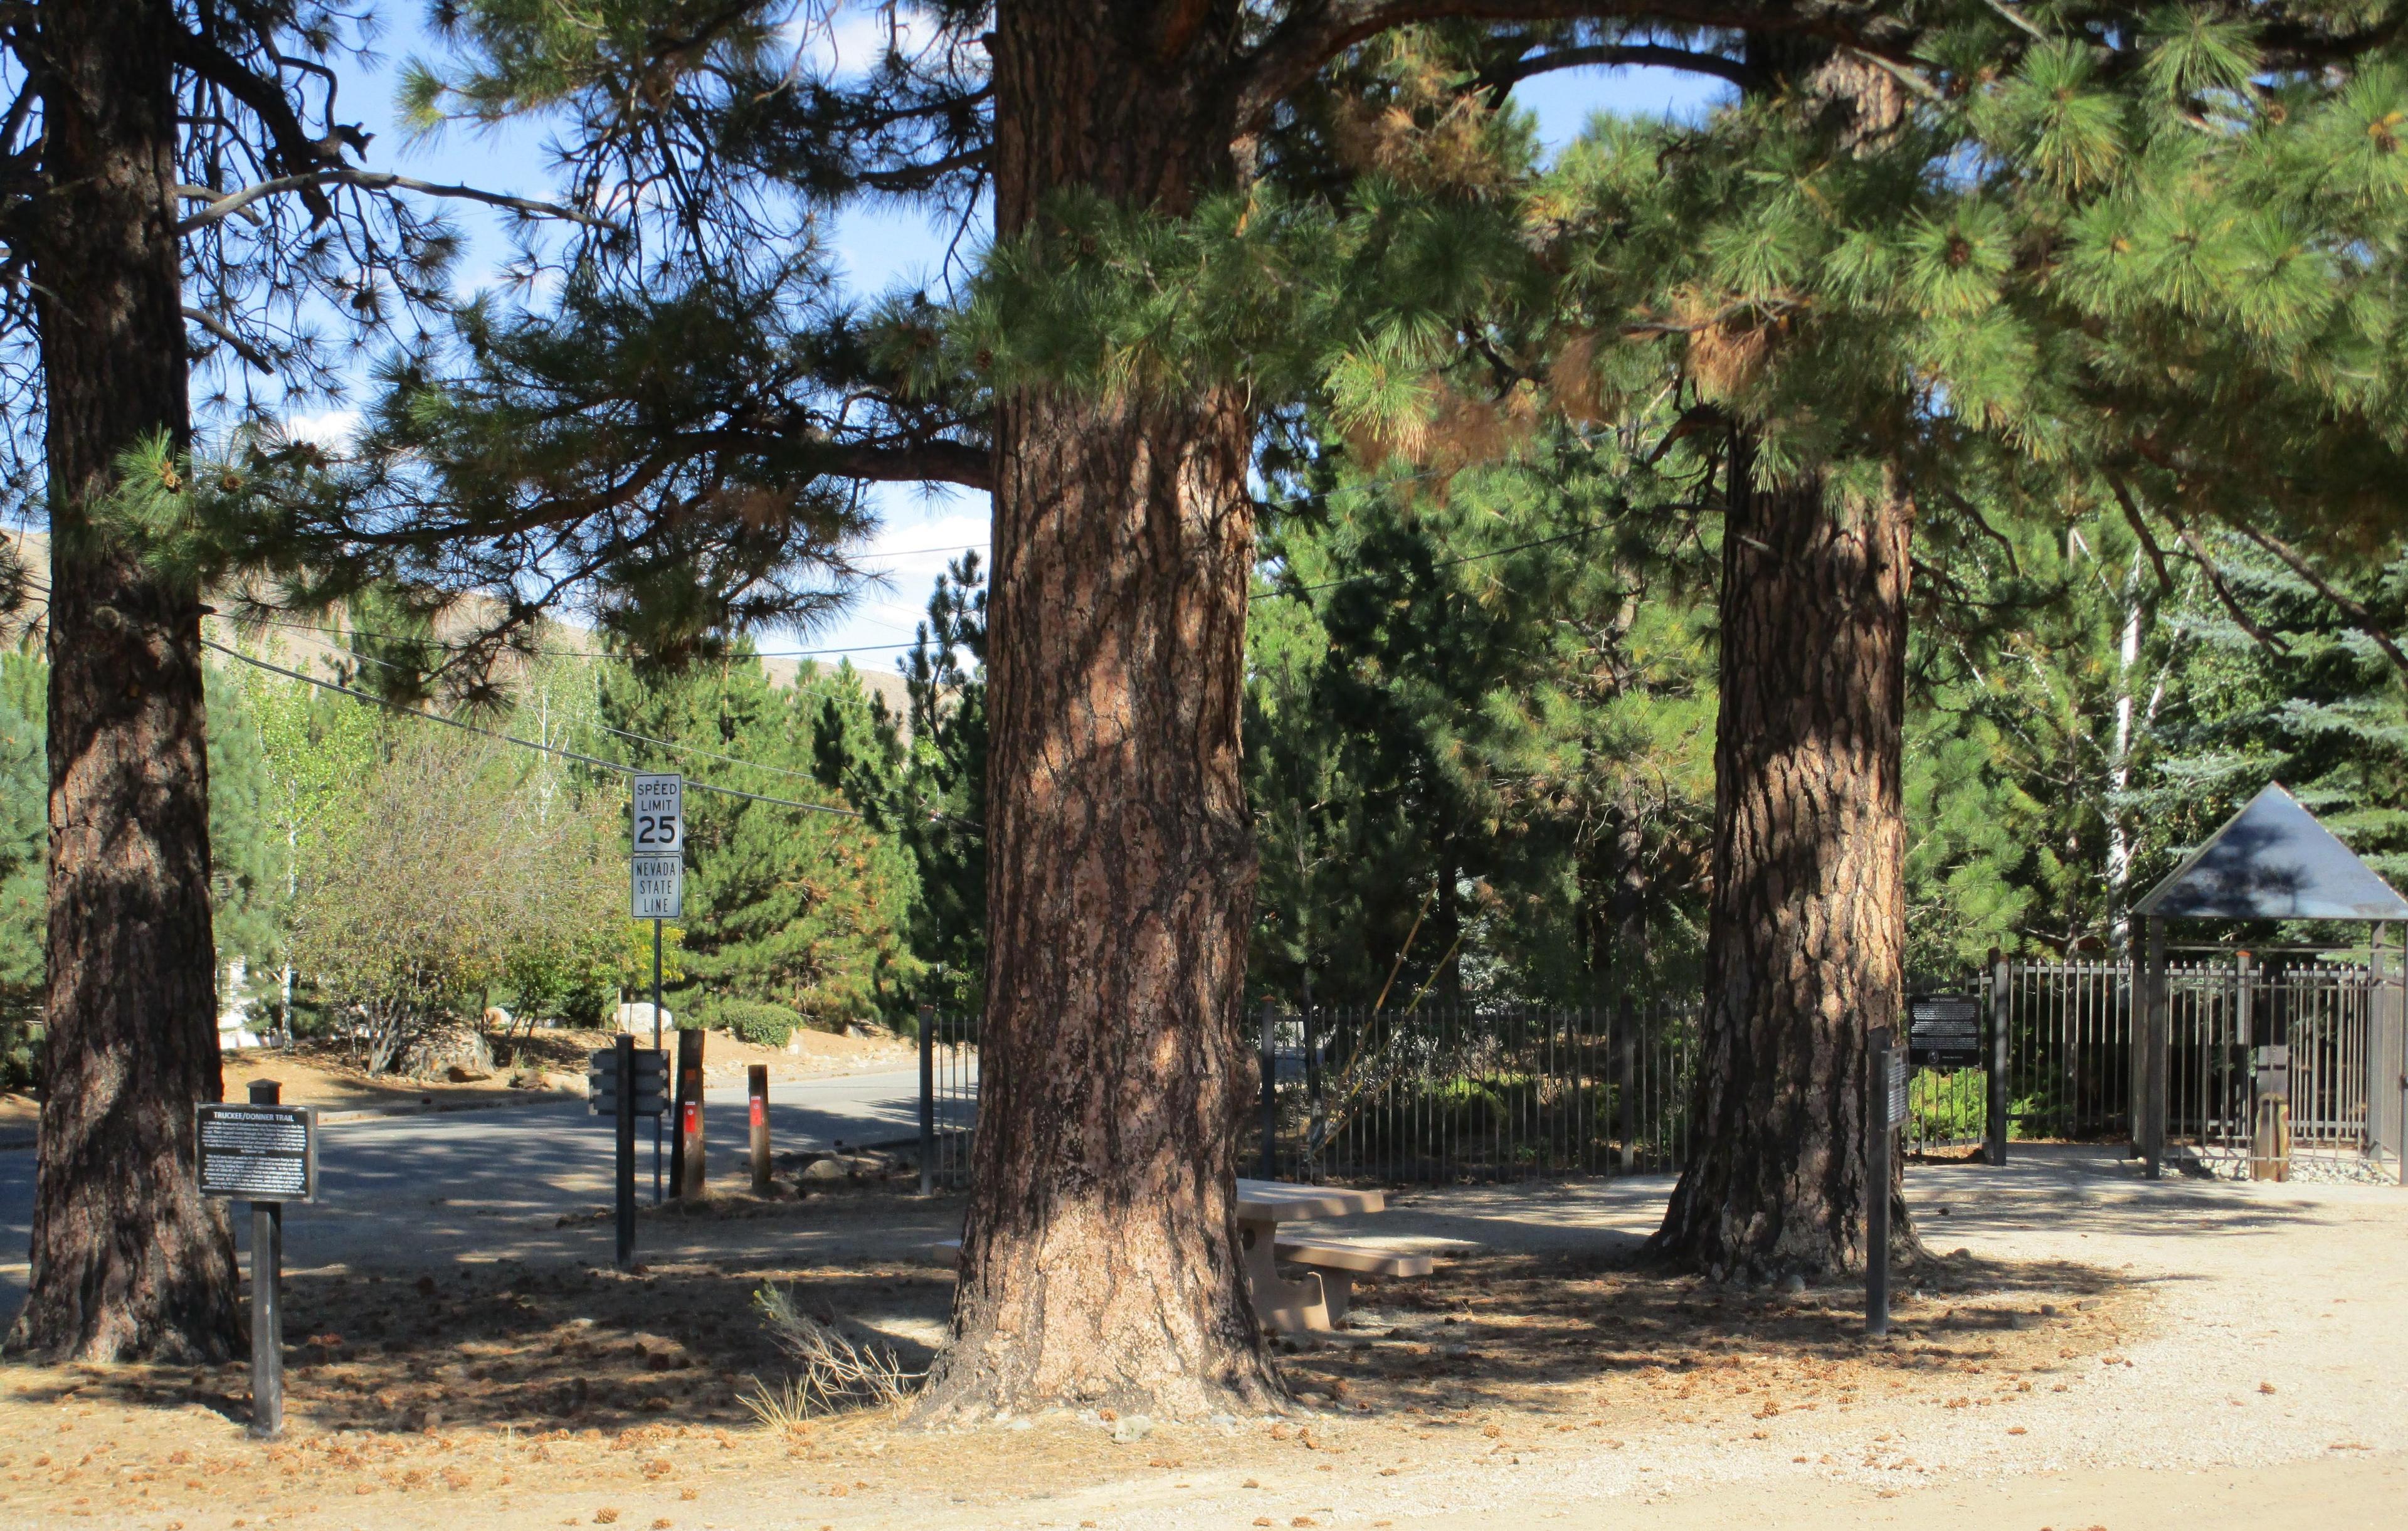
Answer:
[(2272, 861)]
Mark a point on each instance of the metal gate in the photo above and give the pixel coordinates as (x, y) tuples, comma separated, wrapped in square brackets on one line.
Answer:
[(2073, 1070)]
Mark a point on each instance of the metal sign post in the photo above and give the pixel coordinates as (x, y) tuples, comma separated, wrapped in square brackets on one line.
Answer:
[(265, 1153), (1886, 1076), (624, 1082), (656, 885)]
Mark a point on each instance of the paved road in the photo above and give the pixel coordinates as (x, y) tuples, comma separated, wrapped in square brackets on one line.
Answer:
[(482, 1184)]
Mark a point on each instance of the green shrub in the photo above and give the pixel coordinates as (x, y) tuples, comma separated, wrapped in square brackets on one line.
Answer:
[(762, 1025)]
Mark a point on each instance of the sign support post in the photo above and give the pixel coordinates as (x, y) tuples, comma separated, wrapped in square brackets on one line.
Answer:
[(1270, 1095), (656, 886), (1999, 1116), (266, 1286), (1884, 1111), (928, 1100), (264, 1153), (625, 1048), (656, 1047)]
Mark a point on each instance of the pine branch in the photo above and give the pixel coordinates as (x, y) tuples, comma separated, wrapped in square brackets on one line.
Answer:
[(919, 178), (2359, 617), (224, 332), (1501, 77), (2017, 19), (378, 181), (920, 462), (2141, 529), (2224, 596), (1313, 35), (294, 147)]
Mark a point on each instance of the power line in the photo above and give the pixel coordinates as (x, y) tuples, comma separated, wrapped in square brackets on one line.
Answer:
[(621, 766), (690, 750), (566, 654)]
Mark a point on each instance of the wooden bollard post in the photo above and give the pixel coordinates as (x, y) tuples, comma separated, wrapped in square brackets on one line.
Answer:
[(692, 1177), (756, 1093)]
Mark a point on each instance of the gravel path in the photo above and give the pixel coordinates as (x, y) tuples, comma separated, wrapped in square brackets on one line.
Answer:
[(2268, 1369), (2242, 1365), (2273, 1335)]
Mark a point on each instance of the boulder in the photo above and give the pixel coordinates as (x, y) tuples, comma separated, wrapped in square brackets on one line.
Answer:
[(453, 1051), (638, 1018)]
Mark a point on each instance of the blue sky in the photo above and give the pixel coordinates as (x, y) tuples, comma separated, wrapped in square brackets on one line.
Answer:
[(880, 248)]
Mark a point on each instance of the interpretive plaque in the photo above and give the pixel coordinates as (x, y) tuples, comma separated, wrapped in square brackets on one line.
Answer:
[(259, 1152), (1945, 1031)]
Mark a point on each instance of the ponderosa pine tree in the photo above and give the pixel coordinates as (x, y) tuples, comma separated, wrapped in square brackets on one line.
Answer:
[(120, 115), (1120, 868), (1971, 266), (2004, 265), (1853, 311)]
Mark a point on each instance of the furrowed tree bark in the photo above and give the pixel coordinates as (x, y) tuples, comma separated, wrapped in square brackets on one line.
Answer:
[(1101, 1259), (1806, 927), (128, 1261)]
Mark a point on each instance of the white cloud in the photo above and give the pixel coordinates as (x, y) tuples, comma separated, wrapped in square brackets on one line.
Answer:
[(331, 429)]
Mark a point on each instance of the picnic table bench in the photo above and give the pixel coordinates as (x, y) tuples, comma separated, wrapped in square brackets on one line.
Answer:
[(1318, 1303)]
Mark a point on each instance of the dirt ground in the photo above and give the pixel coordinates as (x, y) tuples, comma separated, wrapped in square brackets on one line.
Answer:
[(540, 1065), (2099, 1354)]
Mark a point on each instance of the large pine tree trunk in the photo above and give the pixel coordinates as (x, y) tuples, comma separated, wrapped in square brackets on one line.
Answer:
[(1806, 933), (1101, 1259), (128, 1259)]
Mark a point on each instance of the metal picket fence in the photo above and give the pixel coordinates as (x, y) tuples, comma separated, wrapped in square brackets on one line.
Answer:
[(1439, 1095), (949, 1082), (1435, 1095)]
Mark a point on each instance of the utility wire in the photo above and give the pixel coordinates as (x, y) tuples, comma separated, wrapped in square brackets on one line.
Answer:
[(621, 766), (869, 648), (567, 654), (690, 750)]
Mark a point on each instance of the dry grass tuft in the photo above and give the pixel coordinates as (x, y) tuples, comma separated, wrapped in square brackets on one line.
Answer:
[(835, 1373)]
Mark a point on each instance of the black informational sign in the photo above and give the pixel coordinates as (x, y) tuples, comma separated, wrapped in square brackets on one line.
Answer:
[(652, 1067), (259, 1152), (1944, 1031), (1896, 1096), (2273, 1066)]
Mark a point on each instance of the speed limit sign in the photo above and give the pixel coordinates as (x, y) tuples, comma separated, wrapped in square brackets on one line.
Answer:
[(656, 844), (659, 808)]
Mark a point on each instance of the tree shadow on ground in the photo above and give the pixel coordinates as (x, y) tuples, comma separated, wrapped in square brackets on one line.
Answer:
[(534, 1348), (1524, 1331)]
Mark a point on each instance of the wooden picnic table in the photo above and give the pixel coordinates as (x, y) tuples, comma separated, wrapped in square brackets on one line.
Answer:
[(1262, 1207)]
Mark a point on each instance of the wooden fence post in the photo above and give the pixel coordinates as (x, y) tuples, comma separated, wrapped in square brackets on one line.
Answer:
[(756, 1097), (690, 1169)]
